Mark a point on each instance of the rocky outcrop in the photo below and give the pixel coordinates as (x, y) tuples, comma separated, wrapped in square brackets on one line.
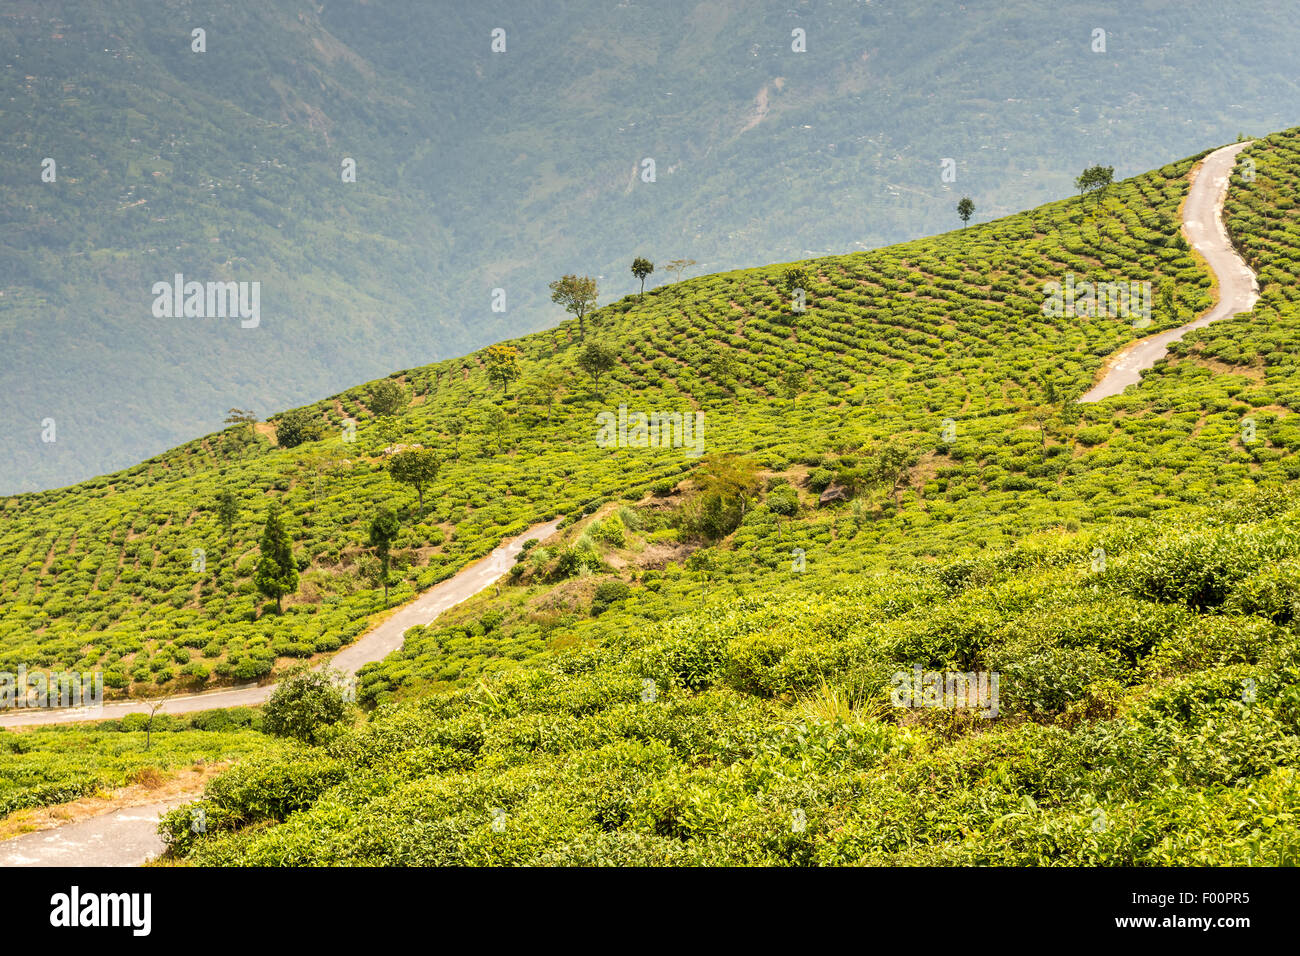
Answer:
[(832, 494)]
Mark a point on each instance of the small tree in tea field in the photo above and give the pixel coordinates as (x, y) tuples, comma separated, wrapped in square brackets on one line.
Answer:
[(276, 573)]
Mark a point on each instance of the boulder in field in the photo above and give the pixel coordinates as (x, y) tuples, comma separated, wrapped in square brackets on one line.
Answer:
[(832, 494)]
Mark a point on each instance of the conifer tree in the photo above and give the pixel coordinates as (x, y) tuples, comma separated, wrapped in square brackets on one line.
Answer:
[(383, 532), (277, 573)]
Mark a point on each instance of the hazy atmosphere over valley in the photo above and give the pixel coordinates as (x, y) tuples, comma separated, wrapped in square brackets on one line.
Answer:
[(624, 436), (477, 171)]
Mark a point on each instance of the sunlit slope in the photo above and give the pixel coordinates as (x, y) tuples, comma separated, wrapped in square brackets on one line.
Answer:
[(894, 343), (1148, 712)]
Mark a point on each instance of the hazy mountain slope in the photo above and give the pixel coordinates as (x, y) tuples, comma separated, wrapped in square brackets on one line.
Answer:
[(908, 342), (744, 709), (502, 171)]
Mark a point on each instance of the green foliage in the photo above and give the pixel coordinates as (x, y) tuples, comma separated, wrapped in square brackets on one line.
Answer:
[(641, 268), (611, 531), (227, 509), (386, 398), (595, 359), (783, 501), (51, 765), (306, 705), (295, 427), (572, 561), (277, 571), (1095, 179), (607, 593), (796, 278), (819, 479), (724, 484), (502, 363), (1105, 750), (415, 467), (1093, 435), (577, 294), (384, 529)]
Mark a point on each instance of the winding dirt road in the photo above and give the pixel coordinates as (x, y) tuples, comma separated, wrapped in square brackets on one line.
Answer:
[(129, 837), (374, 645), (1204, 229)]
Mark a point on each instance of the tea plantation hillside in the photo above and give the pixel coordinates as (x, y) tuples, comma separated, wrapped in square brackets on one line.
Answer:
[(939, 346), (700, 668), (56, 765), (737, 710), (1148, 713)]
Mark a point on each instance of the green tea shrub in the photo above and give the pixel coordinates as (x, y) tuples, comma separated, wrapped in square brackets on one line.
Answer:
[(305, 706), (608, 593)]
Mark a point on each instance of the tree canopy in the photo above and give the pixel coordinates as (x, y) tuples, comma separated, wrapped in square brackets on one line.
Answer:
[(1095, 179), (578, 295), (642, 267), (502, 363), (276, 573), (387, 398), (595, 359), (415, 467)]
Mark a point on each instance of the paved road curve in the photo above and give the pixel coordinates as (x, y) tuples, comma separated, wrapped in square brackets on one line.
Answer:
[(126, 837), (374, 645), (1204, 229)]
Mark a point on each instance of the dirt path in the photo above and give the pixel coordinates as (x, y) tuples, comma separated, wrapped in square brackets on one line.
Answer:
[(374, 645), (1204, 229)]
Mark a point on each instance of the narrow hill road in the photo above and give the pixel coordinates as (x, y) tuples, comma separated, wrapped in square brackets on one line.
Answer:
[(1238, 287), (127, 837), (374, 645)]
